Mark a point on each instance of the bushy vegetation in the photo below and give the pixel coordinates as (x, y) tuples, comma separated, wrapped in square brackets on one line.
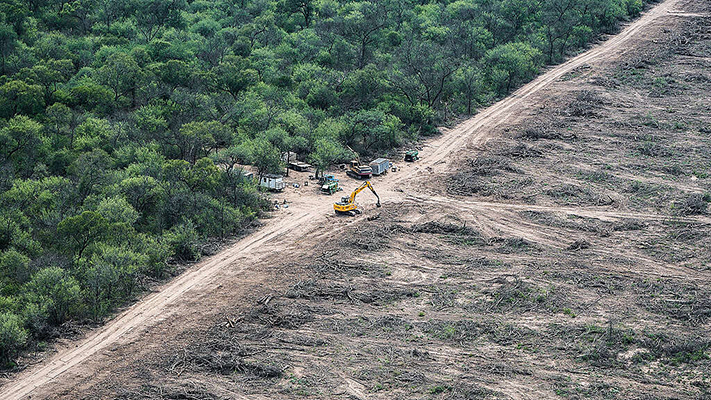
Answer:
[(123, 122)]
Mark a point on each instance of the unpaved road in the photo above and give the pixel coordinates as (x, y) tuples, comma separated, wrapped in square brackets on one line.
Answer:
[(311, 213)]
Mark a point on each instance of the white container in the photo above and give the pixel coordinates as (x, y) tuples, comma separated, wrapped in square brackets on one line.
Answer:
[(272, 182), (380, 166)]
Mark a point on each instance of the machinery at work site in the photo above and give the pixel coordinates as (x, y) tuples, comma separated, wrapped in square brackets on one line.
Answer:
[(329, 184), (356, 170), (412, 155), (348, 206)]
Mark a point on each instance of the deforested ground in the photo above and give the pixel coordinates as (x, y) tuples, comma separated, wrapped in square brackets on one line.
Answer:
[(566, 256)]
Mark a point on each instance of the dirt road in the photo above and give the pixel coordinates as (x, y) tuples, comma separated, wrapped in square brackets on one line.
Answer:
[(312, 213)]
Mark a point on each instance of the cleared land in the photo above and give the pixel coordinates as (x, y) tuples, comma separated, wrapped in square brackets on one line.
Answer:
[(555, 245)]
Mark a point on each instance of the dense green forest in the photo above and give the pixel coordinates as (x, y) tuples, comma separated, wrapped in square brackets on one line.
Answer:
[(123, 122)]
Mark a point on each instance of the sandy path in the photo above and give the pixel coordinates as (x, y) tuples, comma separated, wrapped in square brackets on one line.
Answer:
[(312, 213)]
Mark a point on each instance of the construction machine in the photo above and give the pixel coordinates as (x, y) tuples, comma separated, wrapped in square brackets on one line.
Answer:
[(326, 179), (356, 170), (412, 155), (348, 206), (329, 184), (330, 187)]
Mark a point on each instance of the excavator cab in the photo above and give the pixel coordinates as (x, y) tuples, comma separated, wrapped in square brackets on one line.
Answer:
[(348, 206)]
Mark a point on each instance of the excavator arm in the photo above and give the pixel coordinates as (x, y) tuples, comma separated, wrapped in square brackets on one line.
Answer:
[(355, 154), (362, 187), (347, 205)]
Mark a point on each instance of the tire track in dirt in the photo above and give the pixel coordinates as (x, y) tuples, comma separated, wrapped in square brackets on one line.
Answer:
[(604, 215), (502, 217), (474, 132), (682, 186)]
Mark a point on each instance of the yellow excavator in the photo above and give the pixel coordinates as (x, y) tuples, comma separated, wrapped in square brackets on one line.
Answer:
[(348, 206)]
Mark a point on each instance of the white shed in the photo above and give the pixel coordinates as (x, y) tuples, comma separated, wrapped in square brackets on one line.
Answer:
[(272, 182)]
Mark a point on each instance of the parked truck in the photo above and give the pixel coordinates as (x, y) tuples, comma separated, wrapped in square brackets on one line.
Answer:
[(380, 166), (272, 182)]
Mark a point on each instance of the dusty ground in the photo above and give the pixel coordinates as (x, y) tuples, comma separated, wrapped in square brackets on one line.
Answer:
[(557, 245)]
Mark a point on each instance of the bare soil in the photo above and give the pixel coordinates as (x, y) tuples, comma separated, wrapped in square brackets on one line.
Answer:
[(555, 245)]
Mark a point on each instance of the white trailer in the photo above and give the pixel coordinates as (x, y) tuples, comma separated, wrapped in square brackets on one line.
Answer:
[(380, 166), (272, 182)]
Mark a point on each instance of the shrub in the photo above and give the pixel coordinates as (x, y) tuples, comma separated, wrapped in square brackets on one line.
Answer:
[(55, 292), (184, 240), (694, 204), (14, 265), (13, 336)]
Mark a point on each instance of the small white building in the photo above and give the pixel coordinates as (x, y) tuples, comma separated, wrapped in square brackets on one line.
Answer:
[(272, 182)]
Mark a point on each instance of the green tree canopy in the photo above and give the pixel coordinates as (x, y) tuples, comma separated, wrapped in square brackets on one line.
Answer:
[(512, 64), (83, 230)]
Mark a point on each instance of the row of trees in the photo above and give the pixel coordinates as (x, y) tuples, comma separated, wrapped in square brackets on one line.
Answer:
[(123, 123)]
